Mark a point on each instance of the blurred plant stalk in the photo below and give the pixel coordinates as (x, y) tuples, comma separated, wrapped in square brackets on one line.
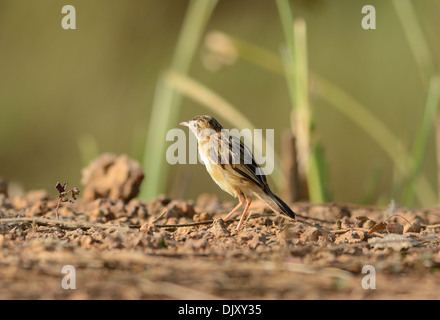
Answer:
[(420, 146), (311, 164), (301, 114), (166, 104), (437, 143), (342, 101), (429, 76)]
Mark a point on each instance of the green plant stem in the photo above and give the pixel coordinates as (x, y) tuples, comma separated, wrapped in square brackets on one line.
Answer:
[(285, 12), (437, 144), (393, 146), (166, 104), (429, 74), (421, 140), (310, 166), (416, 39)]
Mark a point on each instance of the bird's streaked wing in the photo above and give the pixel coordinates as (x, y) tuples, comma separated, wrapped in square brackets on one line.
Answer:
[(235, 153)]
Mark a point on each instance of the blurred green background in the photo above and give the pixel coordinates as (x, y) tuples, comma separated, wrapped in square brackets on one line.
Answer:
[(65, 91)]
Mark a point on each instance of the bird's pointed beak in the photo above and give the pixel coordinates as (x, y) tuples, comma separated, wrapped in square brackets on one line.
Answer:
[(185, 123)]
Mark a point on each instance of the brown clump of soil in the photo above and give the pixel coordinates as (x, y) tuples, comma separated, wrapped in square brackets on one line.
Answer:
[(112, 176)]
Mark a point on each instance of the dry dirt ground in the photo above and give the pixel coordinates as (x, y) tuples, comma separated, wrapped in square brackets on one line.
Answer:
[(175, 249)]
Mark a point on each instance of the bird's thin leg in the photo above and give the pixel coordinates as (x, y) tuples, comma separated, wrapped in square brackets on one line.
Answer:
[(242, 200), (248, 204)]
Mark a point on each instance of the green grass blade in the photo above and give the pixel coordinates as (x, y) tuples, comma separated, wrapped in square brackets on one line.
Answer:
[(427, 68), (297, 77), (437, 144), (285, 12), (371, 186), (380, 133), (166, 104), (421, 140), (416, 39), (317, 171), (301, 104), (197, 91)]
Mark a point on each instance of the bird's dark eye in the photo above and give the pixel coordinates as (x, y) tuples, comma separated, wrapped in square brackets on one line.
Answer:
[(194, 124)]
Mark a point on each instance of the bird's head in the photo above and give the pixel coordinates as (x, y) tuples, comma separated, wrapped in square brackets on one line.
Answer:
[(202, 125)]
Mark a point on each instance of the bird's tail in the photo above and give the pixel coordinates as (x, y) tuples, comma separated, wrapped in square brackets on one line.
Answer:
[(281, 205)]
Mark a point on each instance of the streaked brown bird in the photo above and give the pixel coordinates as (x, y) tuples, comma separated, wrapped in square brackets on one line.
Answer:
[(232, 166)]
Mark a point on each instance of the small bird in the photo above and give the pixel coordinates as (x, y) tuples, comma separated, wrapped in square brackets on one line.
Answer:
[(232, 166)]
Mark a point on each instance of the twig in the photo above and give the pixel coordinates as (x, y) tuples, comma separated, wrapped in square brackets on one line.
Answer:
[(384, 225), (160, 216), (191, 224), (314, 219), (87, 225), (57, 222), (194, 224), (340, 231)]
